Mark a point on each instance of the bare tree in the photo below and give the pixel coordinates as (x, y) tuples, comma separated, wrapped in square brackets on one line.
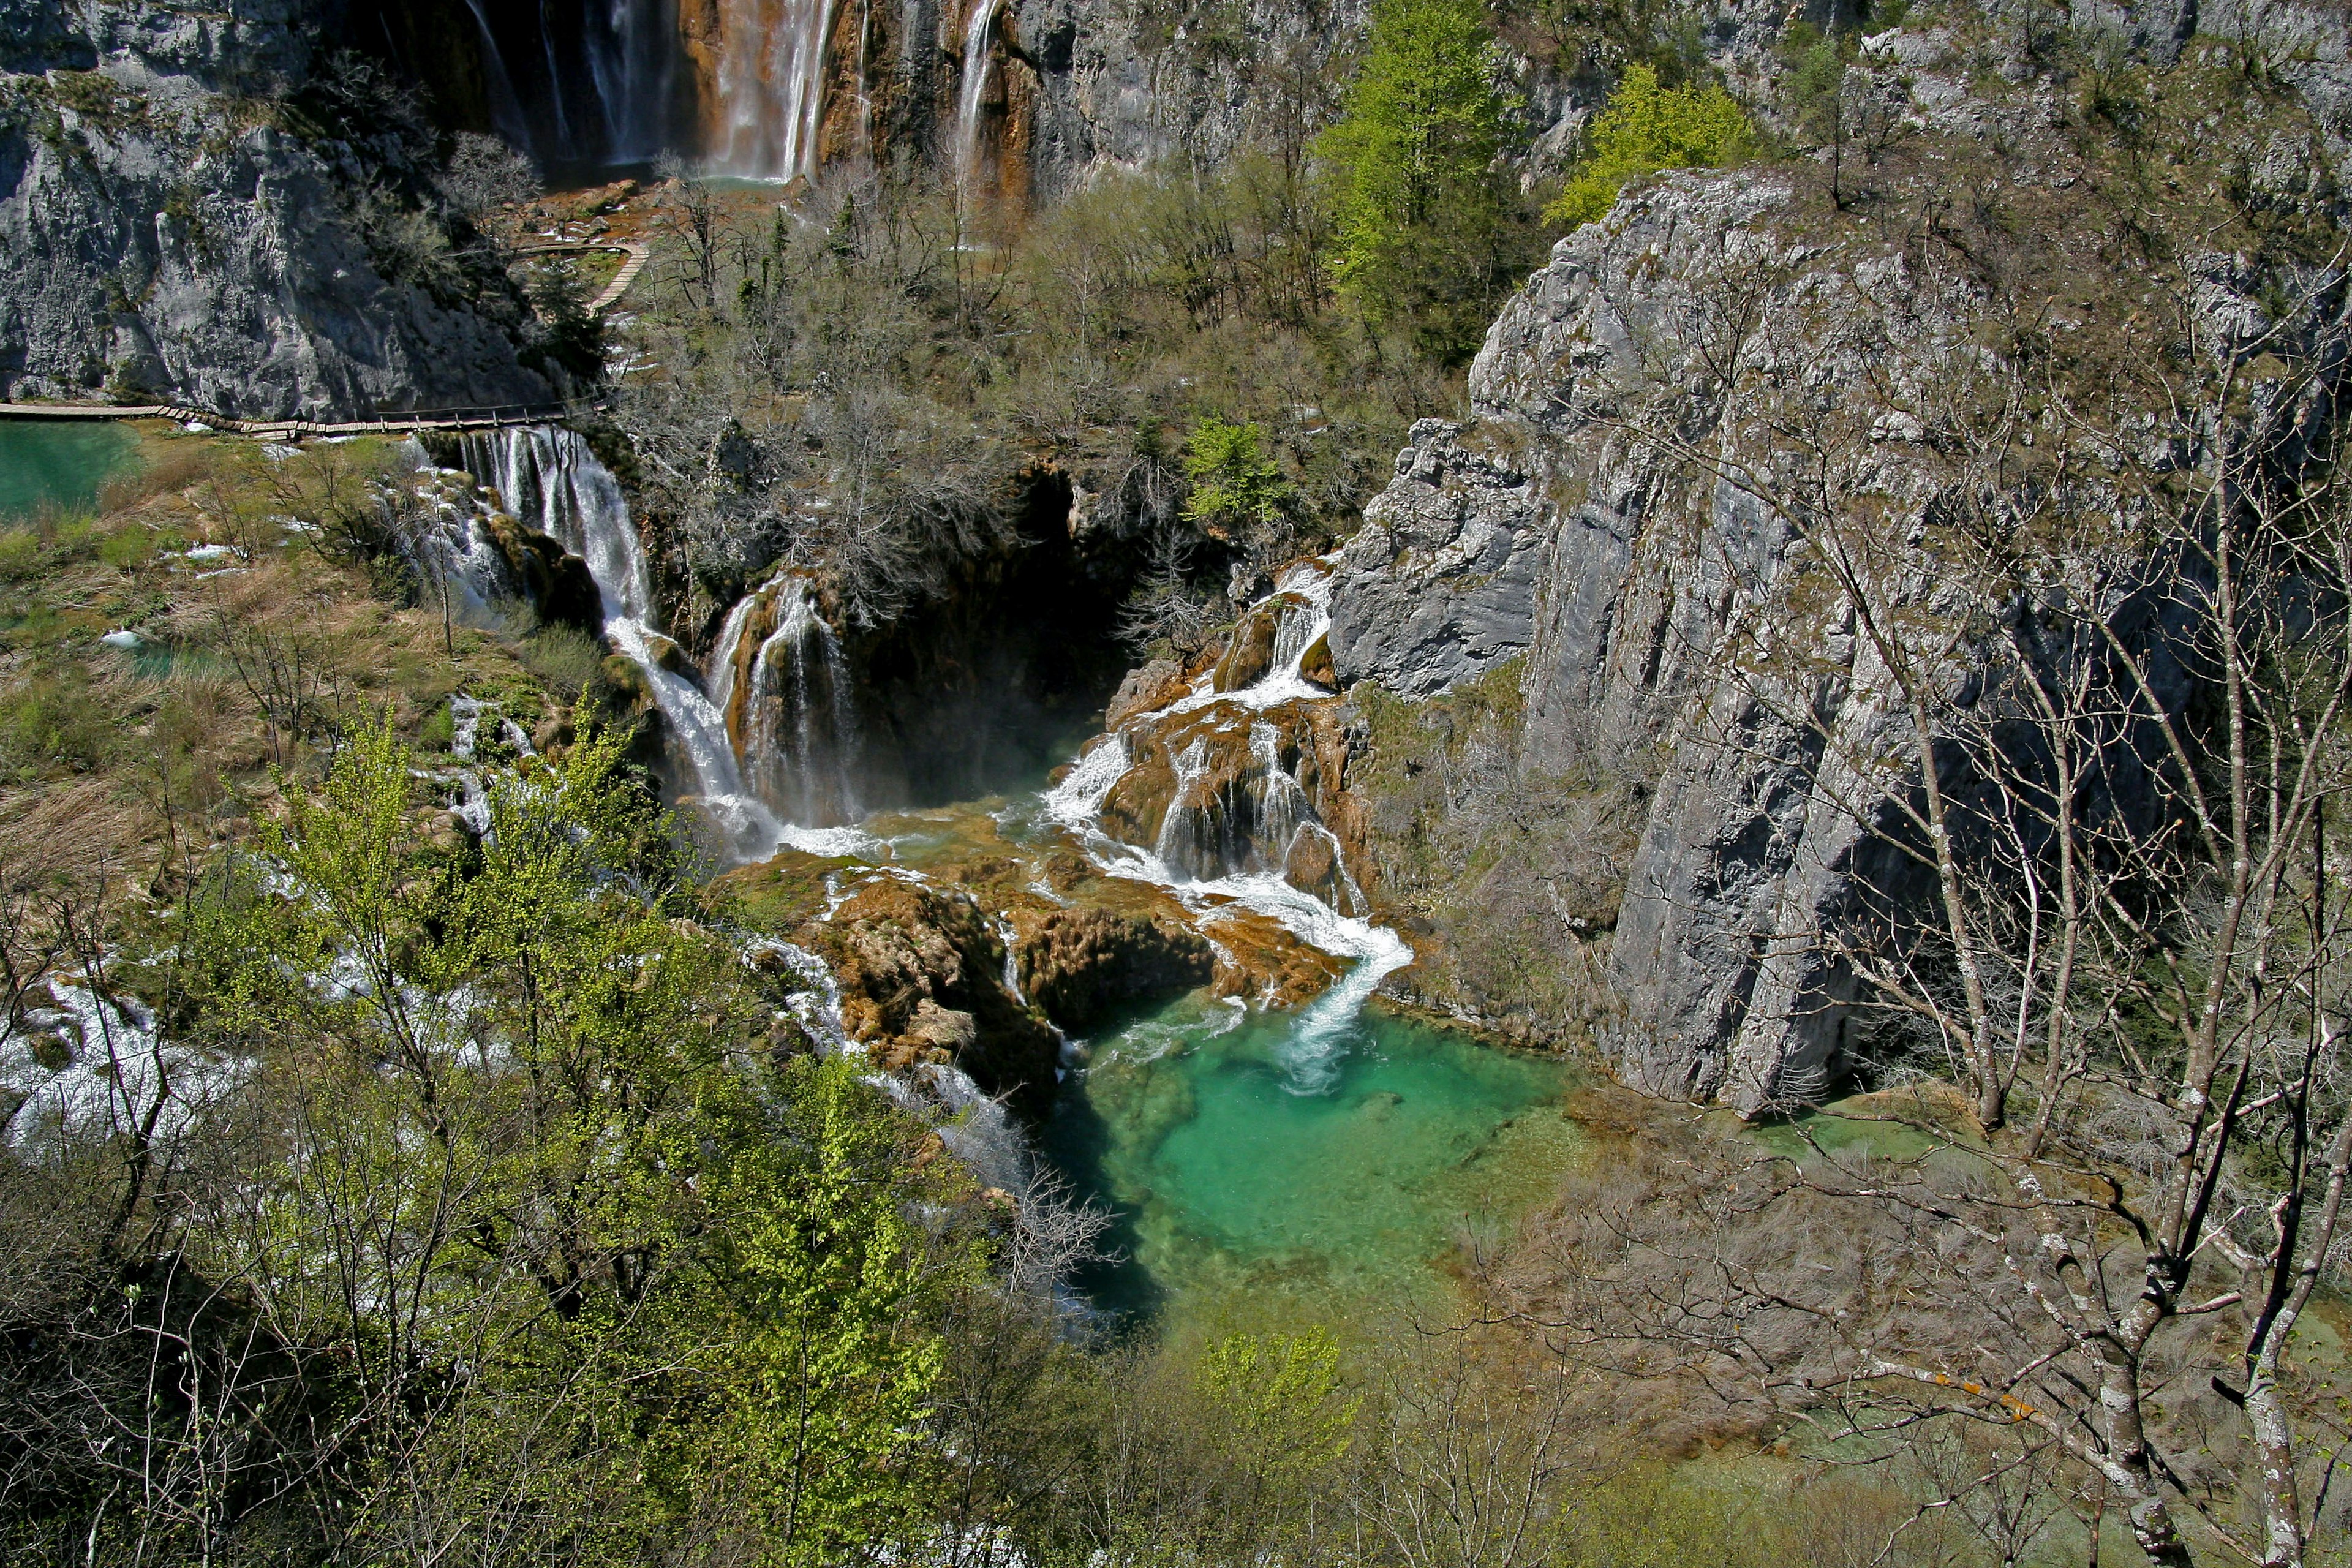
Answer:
[(2071, 681)]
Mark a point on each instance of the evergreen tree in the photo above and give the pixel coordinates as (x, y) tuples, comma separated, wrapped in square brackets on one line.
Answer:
[(1426, 233)]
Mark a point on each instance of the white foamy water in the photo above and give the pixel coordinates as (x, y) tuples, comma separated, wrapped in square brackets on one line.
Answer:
[(549, 478), (975, 83), (109, 1070), (1310, 1057)]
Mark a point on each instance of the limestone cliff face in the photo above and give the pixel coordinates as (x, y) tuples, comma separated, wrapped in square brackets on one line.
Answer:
[(1599, 519), (168, 228)]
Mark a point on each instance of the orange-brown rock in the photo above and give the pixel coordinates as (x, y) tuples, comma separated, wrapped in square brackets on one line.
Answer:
[(1154, 686), (1315, 664), (921, 974), (1080, 965)]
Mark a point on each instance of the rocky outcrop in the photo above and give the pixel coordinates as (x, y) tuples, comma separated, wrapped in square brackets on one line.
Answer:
[(920, 973), (1606, 517), (1081, 965), (171, 225)]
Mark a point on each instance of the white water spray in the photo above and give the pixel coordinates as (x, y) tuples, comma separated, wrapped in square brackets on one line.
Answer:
[(549, 478), (770, 86), (1310, 1056), (975, 83)]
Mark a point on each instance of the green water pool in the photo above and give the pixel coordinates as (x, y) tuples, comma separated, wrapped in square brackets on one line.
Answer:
[(1268, 1158), (59, 463)]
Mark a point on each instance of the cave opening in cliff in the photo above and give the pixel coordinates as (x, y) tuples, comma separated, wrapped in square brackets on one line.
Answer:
[(985, 690)]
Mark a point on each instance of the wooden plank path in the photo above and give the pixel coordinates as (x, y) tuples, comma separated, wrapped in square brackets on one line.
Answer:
[(638, 253), (396, 423), (391, 424)]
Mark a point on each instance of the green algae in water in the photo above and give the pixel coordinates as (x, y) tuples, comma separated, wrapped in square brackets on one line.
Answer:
[(60, 464), (1342, 1174)]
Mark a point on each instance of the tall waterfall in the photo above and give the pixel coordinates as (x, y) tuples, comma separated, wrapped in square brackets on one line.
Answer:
[(580, 81), (505, 105), (630, 59), (975, 82), (770, 86), (549, 481)]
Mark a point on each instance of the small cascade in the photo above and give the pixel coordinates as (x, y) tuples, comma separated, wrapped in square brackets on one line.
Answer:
[(719, 675), (1283, 809), (1234, 843), (549, 481), (790, 710), (770, 86), (1005, 934), (1188, 834), (975, 83), (548, 478)]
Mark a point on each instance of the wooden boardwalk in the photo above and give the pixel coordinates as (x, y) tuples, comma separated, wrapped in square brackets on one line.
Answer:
[(397, 423)]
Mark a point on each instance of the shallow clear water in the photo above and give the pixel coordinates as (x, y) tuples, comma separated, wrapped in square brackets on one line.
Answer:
[(59, 463), (1245, 1154)]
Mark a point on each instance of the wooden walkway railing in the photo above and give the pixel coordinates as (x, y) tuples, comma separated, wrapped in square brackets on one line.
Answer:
[(394, 423)]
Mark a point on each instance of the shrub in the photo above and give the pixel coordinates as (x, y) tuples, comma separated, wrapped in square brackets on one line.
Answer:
[(1647, 128)]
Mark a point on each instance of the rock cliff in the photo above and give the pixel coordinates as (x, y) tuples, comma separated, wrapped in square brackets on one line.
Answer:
[(188, 209), (1615, 529)]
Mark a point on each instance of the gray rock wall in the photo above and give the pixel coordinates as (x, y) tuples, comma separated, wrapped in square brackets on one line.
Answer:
[(167, 231), (1562, 523)]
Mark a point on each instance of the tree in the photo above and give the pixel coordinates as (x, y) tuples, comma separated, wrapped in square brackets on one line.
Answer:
[(1424, 233), (1647, 128), (1238, 490)]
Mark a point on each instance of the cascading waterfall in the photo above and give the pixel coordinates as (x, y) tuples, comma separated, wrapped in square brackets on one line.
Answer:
[(770, 86), (1309, 1055), (975, 83), (551, 480), (789, 706), (629, 61)]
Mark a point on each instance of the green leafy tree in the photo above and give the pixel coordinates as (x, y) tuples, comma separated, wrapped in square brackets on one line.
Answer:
[(1647, 128), (571, 1266), (814, 1411), (1238, 490), (1425, 231)]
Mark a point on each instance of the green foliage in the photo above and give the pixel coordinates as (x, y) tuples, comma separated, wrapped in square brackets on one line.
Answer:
[(1647, 128), (1237, 487), (1425, 231), (1278, 1403), (815, 1411), (20, 554), (567, 1257)]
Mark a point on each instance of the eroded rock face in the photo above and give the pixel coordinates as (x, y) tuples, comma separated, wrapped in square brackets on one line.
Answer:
[(161, 239), (1082, 965), (1560, 526), (920, 969)]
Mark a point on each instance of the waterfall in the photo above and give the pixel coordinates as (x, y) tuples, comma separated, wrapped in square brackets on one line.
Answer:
[(551, 480), (505, 105), (1190, 859), (797, 732), (556, 94), (629, 62), (719, 675), (770, 86), (975, 82)]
